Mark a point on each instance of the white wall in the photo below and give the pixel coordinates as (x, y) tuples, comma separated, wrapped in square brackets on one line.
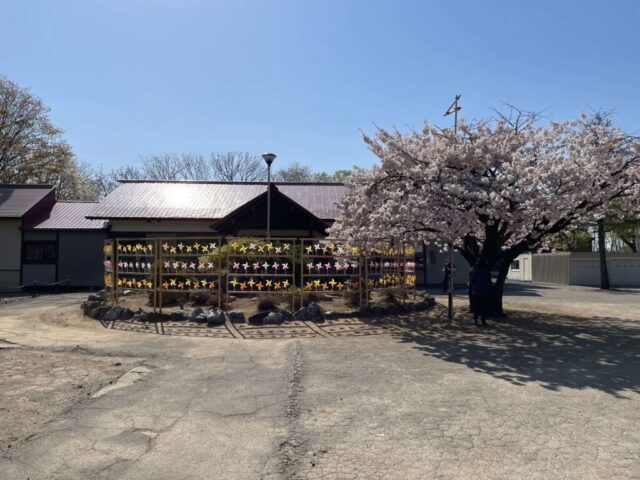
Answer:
[(10, 252), (584, 272), (624, 269), (579, 268), (523, 272), (625, 272)]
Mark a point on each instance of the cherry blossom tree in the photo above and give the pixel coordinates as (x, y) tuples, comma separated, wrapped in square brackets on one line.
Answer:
[(495, 190)]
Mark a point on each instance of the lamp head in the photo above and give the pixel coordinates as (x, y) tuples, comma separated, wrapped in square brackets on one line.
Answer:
[(269, 158)]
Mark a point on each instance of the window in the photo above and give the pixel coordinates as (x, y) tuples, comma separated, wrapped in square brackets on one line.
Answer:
[(40, 252), (432, 256), (515, 265)]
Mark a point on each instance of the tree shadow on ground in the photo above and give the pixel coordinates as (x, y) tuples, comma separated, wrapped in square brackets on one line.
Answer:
[(520, 289), (525, 289), (551, 350)]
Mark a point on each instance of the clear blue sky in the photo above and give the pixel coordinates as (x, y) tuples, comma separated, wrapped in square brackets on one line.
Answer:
[(302, 78)]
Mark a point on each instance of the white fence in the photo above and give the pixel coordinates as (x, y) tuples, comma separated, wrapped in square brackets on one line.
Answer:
[(577, 268)]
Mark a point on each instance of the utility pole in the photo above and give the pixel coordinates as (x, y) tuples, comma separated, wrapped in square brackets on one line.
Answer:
[(453, 108)]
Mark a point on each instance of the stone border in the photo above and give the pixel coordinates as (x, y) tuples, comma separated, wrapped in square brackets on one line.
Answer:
[(307, 322), (347, 327)]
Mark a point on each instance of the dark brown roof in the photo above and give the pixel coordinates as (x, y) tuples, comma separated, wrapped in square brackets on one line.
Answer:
[(69, 215), (17, 200), (278, 200), (208, 200)]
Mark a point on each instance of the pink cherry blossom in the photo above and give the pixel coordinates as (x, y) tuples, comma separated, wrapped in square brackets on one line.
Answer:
[(495, 189)]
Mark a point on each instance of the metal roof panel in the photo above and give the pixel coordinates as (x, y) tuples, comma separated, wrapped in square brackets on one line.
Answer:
[(16, 200), (67, 215), (208, 200)]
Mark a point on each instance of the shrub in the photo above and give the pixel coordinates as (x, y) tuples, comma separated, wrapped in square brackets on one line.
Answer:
[(310, 297), (314, 297), (352, 297), (266, 303), (388, 295), (204, 298), (169, 299)]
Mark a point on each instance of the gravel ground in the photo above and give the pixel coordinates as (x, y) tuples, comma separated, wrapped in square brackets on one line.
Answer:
[(542, 394), (38, 385)]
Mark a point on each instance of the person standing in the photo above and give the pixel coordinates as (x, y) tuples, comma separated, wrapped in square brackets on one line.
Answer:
[(480, 289), (447, 274), (471, 270)]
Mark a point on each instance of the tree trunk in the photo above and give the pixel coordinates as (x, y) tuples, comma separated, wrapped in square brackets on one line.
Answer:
[(602, 250), (498, 290)]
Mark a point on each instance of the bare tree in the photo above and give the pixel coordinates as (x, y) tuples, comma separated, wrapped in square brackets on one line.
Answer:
[(237, 167), (228, 166), (166, 166), (78, 184), (195, 167), (32, 149), (295, 172), (104, 182), (169, 166), (338, 176)]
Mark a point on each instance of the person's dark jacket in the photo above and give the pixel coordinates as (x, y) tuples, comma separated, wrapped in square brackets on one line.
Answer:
[(481, 282)]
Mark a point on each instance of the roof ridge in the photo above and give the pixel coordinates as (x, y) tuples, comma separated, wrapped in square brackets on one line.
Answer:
[(76, 201), (224, 182), (25, 185)]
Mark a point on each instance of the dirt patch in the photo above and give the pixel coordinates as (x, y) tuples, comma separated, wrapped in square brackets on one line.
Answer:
[(68, 317), (38, 385), (7, 299)]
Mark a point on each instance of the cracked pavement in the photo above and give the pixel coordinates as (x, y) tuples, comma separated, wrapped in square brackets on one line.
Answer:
[(537, 396)]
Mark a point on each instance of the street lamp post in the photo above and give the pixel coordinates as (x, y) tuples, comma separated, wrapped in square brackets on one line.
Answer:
[(454, 108), (269, 158)]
